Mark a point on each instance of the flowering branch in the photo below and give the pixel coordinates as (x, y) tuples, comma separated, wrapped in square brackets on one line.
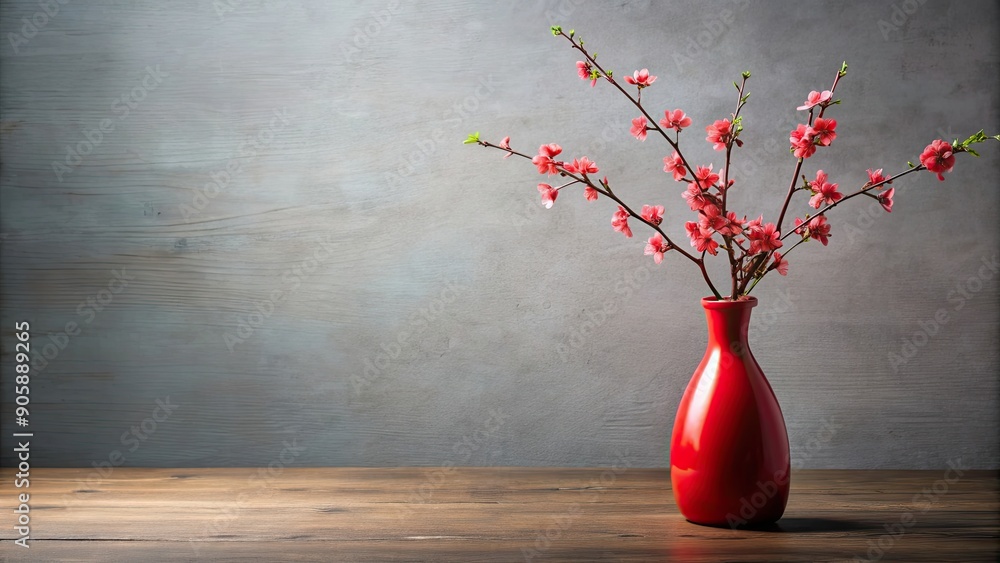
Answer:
[(752, 246), (597, 71), (734, 265), (604, 188)]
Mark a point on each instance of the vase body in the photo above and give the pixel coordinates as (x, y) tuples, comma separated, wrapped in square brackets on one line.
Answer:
[(729, 457)]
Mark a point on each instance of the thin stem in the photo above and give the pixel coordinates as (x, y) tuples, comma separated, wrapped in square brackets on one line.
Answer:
[(863, 190), (798, 165), (733, 272), (755, 281), (636, 102), (610, 194), (567, 184), (791, 187)]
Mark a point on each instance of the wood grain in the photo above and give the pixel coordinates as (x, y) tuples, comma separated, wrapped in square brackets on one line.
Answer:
[(489, 514)]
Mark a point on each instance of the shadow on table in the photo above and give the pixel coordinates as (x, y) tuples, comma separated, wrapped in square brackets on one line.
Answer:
[(810, 525)]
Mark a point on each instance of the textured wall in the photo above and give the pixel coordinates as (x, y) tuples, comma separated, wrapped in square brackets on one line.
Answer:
[(349, 234)]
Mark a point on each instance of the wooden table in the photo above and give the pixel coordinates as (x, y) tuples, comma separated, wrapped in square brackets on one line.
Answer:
[(486, 514)]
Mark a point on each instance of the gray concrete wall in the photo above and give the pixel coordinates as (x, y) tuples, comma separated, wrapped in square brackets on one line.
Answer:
[(351, 226)]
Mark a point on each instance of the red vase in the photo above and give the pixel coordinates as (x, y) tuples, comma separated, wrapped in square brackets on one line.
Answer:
[(729, 458)]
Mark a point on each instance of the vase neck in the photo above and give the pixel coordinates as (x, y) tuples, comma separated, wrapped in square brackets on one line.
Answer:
[(728, 321)]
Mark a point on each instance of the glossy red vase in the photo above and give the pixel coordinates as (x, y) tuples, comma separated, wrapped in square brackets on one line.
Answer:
[(729, 458)]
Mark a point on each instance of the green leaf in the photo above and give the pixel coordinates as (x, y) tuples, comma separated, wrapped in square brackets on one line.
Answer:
[(744, 99), (843, 69), (572, 32), (735, 85), (472, 138), (972, 152), (977, 137), (997, 137), (910, 164), (746, 74), (556, 30)]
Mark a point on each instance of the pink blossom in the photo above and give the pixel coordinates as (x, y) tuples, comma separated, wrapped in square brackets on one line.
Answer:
[(705, 178), (590, 194), (696, 197), (815, 98), (938, 157), (711, 218), (582, 165), (544, 160), (876, 177), (701, 239), (549, 195), (733, 226), (802, 141), (652, 213), (583, 69), (641, 78), (720, 134), (816, 228), (819, 229), (780, 264), (799, 229), (824, 131), (656, 247), (885, 198), (764, 238), (505, 144), (639, 128), (675, 120), (620, 222), (825, 192), (675, 165)]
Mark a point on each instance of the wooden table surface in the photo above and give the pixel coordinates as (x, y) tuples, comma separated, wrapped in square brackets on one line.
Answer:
[(486, 514)]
